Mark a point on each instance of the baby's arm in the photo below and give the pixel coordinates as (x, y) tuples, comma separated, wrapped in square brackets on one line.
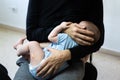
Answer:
[(53, 35)]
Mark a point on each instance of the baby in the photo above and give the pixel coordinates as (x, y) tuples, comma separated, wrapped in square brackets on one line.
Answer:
[(35, 54)]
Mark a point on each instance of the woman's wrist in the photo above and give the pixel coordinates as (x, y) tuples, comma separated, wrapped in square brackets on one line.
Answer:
[(66, 55)]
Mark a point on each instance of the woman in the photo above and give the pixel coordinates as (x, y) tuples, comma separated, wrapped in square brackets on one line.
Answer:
[(44, 15)]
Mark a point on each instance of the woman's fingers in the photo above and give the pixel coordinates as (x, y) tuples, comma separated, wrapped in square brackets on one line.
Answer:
[(80, 34), (42, 67), (49, 72), (51, 64), (84, 37), (48, 69), (83, 31), (82, 42)]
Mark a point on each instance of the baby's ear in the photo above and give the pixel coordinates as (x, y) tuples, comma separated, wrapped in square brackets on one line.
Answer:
[(83, 24)]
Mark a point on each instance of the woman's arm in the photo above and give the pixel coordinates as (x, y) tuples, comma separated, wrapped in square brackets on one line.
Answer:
[(58, 57), (94, 14), (34, 31)]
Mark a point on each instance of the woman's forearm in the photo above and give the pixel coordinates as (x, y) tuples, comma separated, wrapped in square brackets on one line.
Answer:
[(94, 14), (34, 31)]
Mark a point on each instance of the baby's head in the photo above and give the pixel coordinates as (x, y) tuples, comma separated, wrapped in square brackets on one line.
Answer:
[(91, 27), (84, 25)]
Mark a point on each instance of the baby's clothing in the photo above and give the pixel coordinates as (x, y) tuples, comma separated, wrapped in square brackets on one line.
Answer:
[(64, 42)]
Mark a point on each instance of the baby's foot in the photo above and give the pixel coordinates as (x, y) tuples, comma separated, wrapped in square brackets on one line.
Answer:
[(19, 42)]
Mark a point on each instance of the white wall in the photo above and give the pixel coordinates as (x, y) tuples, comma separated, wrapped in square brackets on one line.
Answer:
[(13, 12), (112, 24)]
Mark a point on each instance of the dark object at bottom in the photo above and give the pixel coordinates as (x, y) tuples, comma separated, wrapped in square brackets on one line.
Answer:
[(3, 73), (90, 72)]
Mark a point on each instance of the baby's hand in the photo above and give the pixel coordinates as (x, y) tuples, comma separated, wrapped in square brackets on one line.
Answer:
[(65, 25)]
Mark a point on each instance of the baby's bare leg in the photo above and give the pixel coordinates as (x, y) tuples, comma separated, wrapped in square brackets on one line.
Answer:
[(36, 53)]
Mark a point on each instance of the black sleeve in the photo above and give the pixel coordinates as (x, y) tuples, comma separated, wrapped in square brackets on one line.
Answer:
[(4, 73), (93, 13), (34, 31)]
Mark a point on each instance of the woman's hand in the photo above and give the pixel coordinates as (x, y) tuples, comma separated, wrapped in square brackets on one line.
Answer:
[(53, 62), (80, 33), (91, 27)]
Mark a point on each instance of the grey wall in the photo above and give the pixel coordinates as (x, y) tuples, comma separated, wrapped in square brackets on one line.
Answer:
[(112, 24), (13, 12)]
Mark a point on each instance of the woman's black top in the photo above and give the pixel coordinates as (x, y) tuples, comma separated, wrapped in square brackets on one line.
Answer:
[(44, 15)]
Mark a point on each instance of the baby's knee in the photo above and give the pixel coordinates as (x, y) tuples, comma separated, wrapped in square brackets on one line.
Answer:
[(34, 43)]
